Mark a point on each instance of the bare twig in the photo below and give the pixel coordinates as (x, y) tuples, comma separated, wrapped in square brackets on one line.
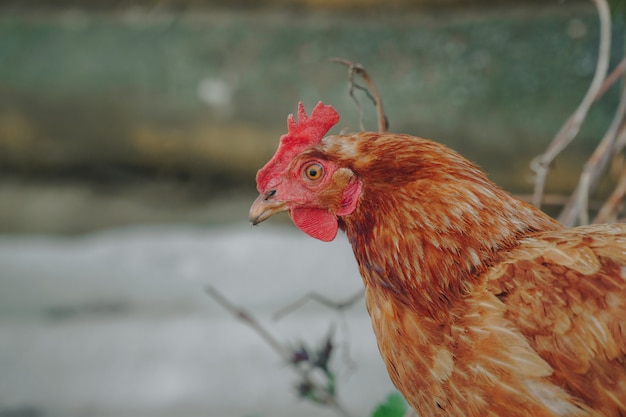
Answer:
[(247, 318), (372, 93), (595, 166), (615, 75), (335, 305), (610, 209), (620, 142), (308, 387), (541, 164), (313, 296)]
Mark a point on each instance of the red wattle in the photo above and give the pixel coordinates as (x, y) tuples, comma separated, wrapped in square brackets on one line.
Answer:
[(317, 223)]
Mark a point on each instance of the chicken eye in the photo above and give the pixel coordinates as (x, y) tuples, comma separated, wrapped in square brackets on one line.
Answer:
[(314, 171)]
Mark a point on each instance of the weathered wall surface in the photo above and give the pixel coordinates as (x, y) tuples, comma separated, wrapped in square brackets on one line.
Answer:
[(201, 97)]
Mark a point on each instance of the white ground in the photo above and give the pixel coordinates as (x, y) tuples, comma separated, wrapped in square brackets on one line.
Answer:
[(117, 323)]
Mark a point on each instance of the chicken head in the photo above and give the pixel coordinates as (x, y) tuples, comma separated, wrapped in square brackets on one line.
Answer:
[(301, 180)]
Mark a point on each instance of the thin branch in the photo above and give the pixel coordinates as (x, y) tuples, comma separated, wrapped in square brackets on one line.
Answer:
[(620, 142), (313, 296), (371, 91), (247, 318), (611, 207), (577, 205), (319, 394), (335, 305), (541, 164), (615, 75)]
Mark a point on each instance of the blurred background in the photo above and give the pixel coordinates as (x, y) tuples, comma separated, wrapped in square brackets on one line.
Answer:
[(130, 134)]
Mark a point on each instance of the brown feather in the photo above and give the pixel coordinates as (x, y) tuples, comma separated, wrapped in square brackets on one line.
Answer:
[(565, 291), (481, 304)]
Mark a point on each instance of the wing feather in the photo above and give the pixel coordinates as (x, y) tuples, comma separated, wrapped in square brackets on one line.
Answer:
[(566, 292)]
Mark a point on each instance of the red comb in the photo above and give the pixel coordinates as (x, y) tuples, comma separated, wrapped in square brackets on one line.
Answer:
[(308, 131), (300, 135)]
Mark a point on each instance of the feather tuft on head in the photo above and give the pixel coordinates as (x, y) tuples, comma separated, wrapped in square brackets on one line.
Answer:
[(307, 131)]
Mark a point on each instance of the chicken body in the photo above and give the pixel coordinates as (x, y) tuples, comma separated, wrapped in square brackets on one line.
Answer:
[(541, 333), (481, 304)]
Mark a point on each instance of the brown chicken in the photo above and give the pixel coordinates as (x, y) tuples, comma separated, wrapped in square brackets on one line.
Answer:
[(482, 305)]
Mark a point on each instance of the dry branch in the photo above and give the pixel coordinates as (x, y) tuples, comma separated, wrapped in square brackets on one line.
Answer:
[(247, 318), (610, 209), (372, 92), (541, 164), (620, 142), (595, 166), (615, 75), (308, 387), (313, 296)]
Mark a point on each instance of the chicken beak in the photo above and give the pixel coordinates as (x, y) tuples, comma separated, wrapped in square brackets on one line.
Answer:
[(265, 207)]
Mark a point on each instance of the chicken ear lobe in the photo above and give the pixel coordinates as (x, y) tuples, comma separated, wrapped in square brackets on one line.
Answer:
[(350, 198), (318, 223)]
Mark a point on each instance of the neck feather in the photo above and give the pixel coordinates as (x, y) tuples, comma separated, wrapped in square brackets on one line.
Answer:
[(426, 241)]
